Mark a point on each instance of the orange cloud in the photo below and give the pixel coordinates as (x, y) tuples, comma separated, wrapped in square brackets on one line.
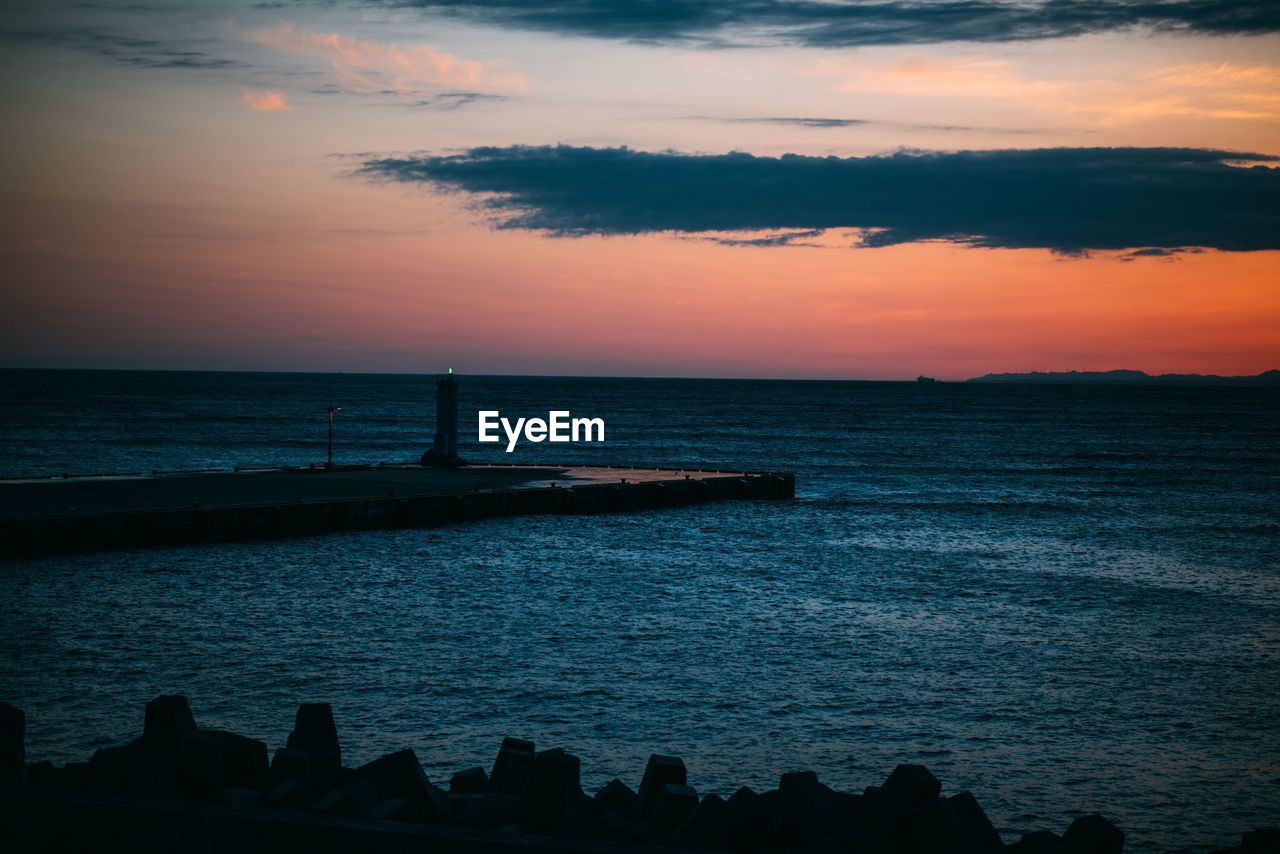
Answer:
[(369, 66), (1198, 90), (1232, 91), (263, 101)]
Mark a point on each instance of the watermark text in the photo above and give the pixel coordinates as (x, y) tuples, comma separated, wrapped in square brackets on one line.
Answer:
[(558, 426)]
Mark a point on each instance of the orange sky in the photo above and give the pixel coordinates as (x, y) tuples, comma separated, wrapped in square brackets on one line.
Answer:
[(165, 217)]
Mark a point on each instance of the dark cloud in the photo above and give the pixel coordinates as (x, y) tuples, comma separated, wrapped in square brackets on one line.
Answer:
[(1069, 200), (801, 121), (1152, 252), (829, 123), (455, 100), (788, 238), (127, 50), (1158, 252), (122, 7), (822, 23)]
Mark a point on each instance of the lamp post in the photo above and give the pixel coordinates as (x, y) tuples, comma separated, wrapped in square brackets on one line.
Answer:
[(332, 409)]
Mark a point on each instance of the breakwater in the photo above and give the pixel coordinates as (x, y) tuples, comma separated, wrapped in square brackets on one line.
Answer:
[(141, 510), (180, 787)]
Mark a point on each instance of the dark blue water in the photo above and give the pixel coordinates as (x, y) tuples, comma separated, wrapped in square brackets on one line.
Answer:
[(1064, 599)]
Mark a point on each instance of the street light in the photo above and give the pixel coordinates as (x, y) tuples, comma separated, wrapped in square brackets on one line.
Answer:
[(332, 409)]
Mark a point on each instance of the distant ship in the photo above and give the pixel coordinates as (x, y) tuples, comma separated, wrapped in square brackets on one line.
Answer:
[(925, 380)]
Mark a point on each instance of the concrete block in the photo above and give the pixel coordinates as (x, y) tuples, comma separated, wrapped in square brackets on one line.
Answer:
[(75, 777), (289, 794), (660, 771), (290, 763), (803, 805), (1038, 842), (768, 805), (512, 767), (846, 819), (552, 789), (13, 755), (366, 791), (512, 743), (976, 825), (792, 779), (472, 781), (398, 809), (580, 824), (490, 811), (930, 828), (400, 774), (458, 801), (337, 802), (952, 824), (748, 821), (909, 786), (244, 760), (130, 770), (706, 826), (616, 798), (436, 808), (315, 732), (44, 778), (1093, 834), (672, 807), (200, 767), (168, 722)]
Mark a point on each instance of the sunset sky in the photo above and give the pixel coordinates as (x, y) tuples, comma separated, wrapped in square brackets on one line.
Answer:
[(766, 188)]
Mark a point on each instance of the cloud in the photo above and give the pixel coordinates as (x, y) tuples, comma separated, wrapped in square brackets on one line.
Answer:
[(1206, 90), (825, 123), (456, 100), (1157, 252), (369, 66), (801, 121), (1223, 90), (1070, 200), (126, 50), (853, 23), (263, 101), (788, 238)]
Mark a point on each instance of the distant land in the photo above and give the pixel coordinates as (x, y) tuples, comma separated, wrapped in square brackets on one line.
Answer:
[(1266, 378)]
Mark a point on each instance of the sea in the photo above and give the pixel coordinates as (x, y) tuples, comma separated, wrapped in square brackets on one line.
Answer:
[(1064, 599)]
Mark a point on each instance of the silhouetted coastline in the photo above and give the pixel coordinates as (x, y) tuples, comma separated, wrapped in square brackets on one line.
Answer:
[(1266, 378), (181, 787)]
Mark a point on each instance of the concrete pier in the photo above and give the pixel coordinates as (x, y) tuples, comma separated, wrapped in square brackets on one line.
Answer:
[(48, 515)]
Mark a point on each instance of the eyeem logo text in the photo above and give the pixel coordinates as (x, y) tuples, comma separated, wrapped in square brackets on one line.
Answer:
[(558, 427)]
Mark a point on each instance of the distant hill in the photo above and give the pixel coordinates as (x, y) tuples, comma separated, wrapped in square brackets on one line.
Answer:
[(1266, 378)]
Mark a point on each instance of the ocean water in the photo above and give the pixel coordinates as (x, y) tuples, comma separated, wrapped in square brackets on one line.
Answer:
[(1065, 599)]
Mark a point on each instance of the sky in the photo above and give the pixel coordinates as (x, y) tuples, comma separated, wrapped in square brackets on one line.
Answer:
[(830, 189)]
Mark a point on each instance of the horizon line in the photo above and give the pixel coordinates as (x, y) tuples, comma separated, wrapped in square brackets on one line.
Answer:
[(450, 371)]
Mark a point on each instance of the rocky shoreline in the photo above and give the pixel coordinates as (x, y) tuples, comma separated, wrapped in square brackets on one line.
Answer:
[(181, 787)]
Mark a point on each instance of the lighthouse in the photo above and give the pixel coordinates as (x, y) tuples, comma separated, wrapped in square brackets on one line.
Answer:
[(444, 452)]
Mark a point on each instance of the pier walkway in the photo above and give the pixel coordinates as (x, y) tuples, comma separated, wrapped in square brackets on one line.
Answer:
[(43, 515)]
